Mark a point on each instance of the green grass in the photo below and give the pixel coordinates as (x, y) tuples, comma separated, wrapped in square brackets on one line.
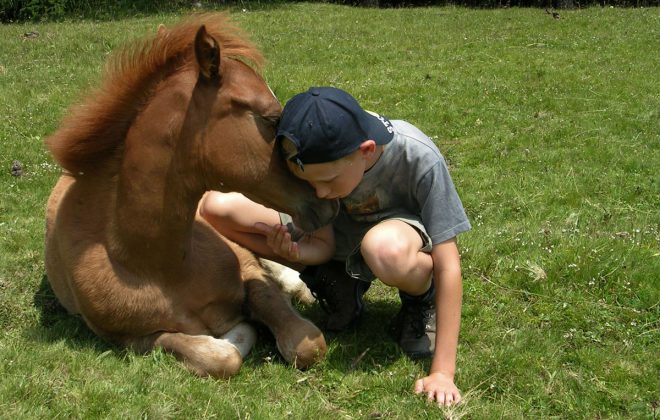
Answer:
[(552, 131)]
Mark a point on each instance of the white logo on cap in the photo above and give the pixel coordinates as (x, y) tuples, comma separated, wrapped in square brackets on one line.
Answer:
[(387, 124)]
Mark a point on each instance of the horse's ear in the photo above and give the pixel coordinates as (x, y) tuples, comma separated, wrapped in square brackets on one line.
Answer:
[(162, 30), (207, 52)]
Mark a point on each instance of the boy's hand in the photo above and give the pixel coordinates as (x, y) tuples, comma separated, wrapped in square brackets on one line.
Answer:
[(279, 240), (439, 387)]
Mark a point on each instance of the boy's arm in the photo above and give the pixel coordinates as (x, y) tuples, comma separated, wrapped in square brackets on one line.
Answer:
[(312, 249), (439, 384)]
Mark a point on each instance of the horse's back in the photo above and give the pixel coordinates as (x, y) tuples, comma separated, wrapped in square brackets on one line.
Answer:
[(55, 266), (74, 239)]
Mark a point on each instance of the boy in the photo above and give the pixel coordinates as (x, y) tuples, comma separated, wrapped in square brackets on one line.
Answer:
[(398, 221)]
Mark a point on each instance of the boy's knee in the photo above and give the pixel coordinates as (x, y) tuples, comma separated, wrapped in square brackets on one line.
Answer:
[(386, 254)]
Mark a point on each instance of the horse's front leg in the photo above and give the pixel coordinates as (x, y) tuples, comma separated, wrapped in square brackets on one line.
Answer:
[(299, 341), (204, 355)]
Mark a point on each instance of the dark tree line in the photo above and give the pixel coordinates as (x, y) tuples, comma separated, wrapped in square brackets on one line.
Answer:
[(555, 4), (23, 10)]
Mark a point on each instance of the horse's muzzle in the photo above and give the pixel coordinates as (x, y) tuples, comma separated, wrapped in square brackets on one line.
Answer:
[(317, 214)]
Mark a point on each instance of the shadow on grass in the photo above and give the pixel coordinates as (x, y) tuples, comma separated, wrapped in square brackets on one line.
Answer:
[(365, 348), (56, 324)]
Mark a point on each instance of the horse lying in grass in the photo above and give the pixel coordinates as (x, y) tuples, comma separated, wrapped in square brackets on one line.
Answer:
[(178, 114)]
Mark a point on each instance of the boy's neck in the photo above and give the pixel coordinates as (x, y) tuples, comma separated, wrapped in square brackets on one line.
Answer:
[(374, 158)]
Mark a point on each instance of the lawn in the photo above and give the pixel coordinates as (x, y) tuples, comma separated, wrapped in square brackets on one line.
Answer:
[(551, 128)]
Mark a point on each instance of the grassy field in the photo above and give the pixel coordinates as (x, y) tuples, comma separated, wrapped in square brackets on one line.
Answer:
[(552, 131)]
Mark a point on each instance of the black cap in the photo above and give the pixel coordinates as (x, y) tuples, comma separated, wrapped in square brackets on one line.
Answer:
[(327, 123)]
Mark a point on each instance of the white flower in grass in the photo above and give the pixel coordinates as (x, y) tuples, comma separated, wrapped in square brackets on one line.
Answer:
[(535, 271)]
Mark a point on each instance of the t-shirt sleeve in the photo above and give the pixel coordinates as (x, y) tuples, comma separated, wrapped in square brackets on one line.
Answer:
[(442, 212)]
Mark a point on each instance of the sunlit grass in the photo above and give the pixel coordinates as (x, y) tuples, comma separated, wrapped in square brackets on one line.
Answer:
[(552, 131)]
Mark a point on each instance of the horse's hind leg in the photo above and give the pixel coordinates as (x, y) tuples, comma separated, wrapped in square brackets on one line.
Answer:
[(205, 355), (299, 341)]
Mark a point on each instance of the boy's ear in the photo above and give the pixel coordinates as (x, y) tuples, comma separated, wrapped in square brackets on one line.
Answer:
[(368, 147), (288, 148)]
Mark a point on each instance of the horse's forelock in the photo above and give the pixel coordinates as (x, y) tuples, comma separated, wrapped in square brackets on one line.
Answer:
[(234, 43), (94, 129)]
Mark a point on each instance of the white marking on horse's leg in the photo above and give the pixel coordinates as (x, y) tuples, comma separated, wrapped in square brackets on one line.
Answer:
[(288, 281), (243, 336), (203, 354), (216, 346)]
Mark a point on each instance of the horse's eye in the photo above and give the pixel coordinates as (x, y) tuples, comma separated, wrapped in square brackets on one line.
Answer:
[(271, 119)]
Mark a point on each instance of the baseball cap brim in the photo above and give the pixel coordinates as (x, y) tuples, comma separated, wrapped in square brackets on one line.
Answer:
[(379, 128)]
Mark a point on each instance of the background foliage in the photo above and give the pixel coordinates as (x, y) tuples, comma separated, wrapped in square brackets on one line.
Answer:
[(19, 10), (551, 128)]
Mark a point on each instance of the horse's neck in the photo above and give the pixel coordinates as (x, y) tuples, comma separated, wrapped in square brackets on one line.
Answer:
[(156, 201), (152, 220), (154, 214)]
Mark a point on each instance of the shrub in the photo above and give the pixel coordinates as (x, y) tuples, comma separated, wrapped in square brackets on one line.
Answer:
[(558, 4), (19, 10), (32, 9)]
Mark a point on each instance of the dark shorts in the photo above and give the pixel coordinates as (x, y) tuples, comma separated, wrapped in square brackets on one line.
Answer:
[(348, 240)]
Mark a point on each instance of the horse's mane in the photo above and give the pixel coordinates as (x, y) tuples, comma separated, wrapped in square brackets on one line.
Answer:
[(94, 130)]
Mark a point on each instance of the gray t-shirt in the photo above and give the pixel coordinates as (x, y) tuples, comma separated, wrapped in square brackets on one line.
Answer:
[(409, 179)]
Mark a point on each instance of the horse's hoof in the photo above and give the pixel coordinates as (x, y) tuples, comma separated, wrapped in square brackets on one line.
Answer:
[(311, 354), (303, 350)]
